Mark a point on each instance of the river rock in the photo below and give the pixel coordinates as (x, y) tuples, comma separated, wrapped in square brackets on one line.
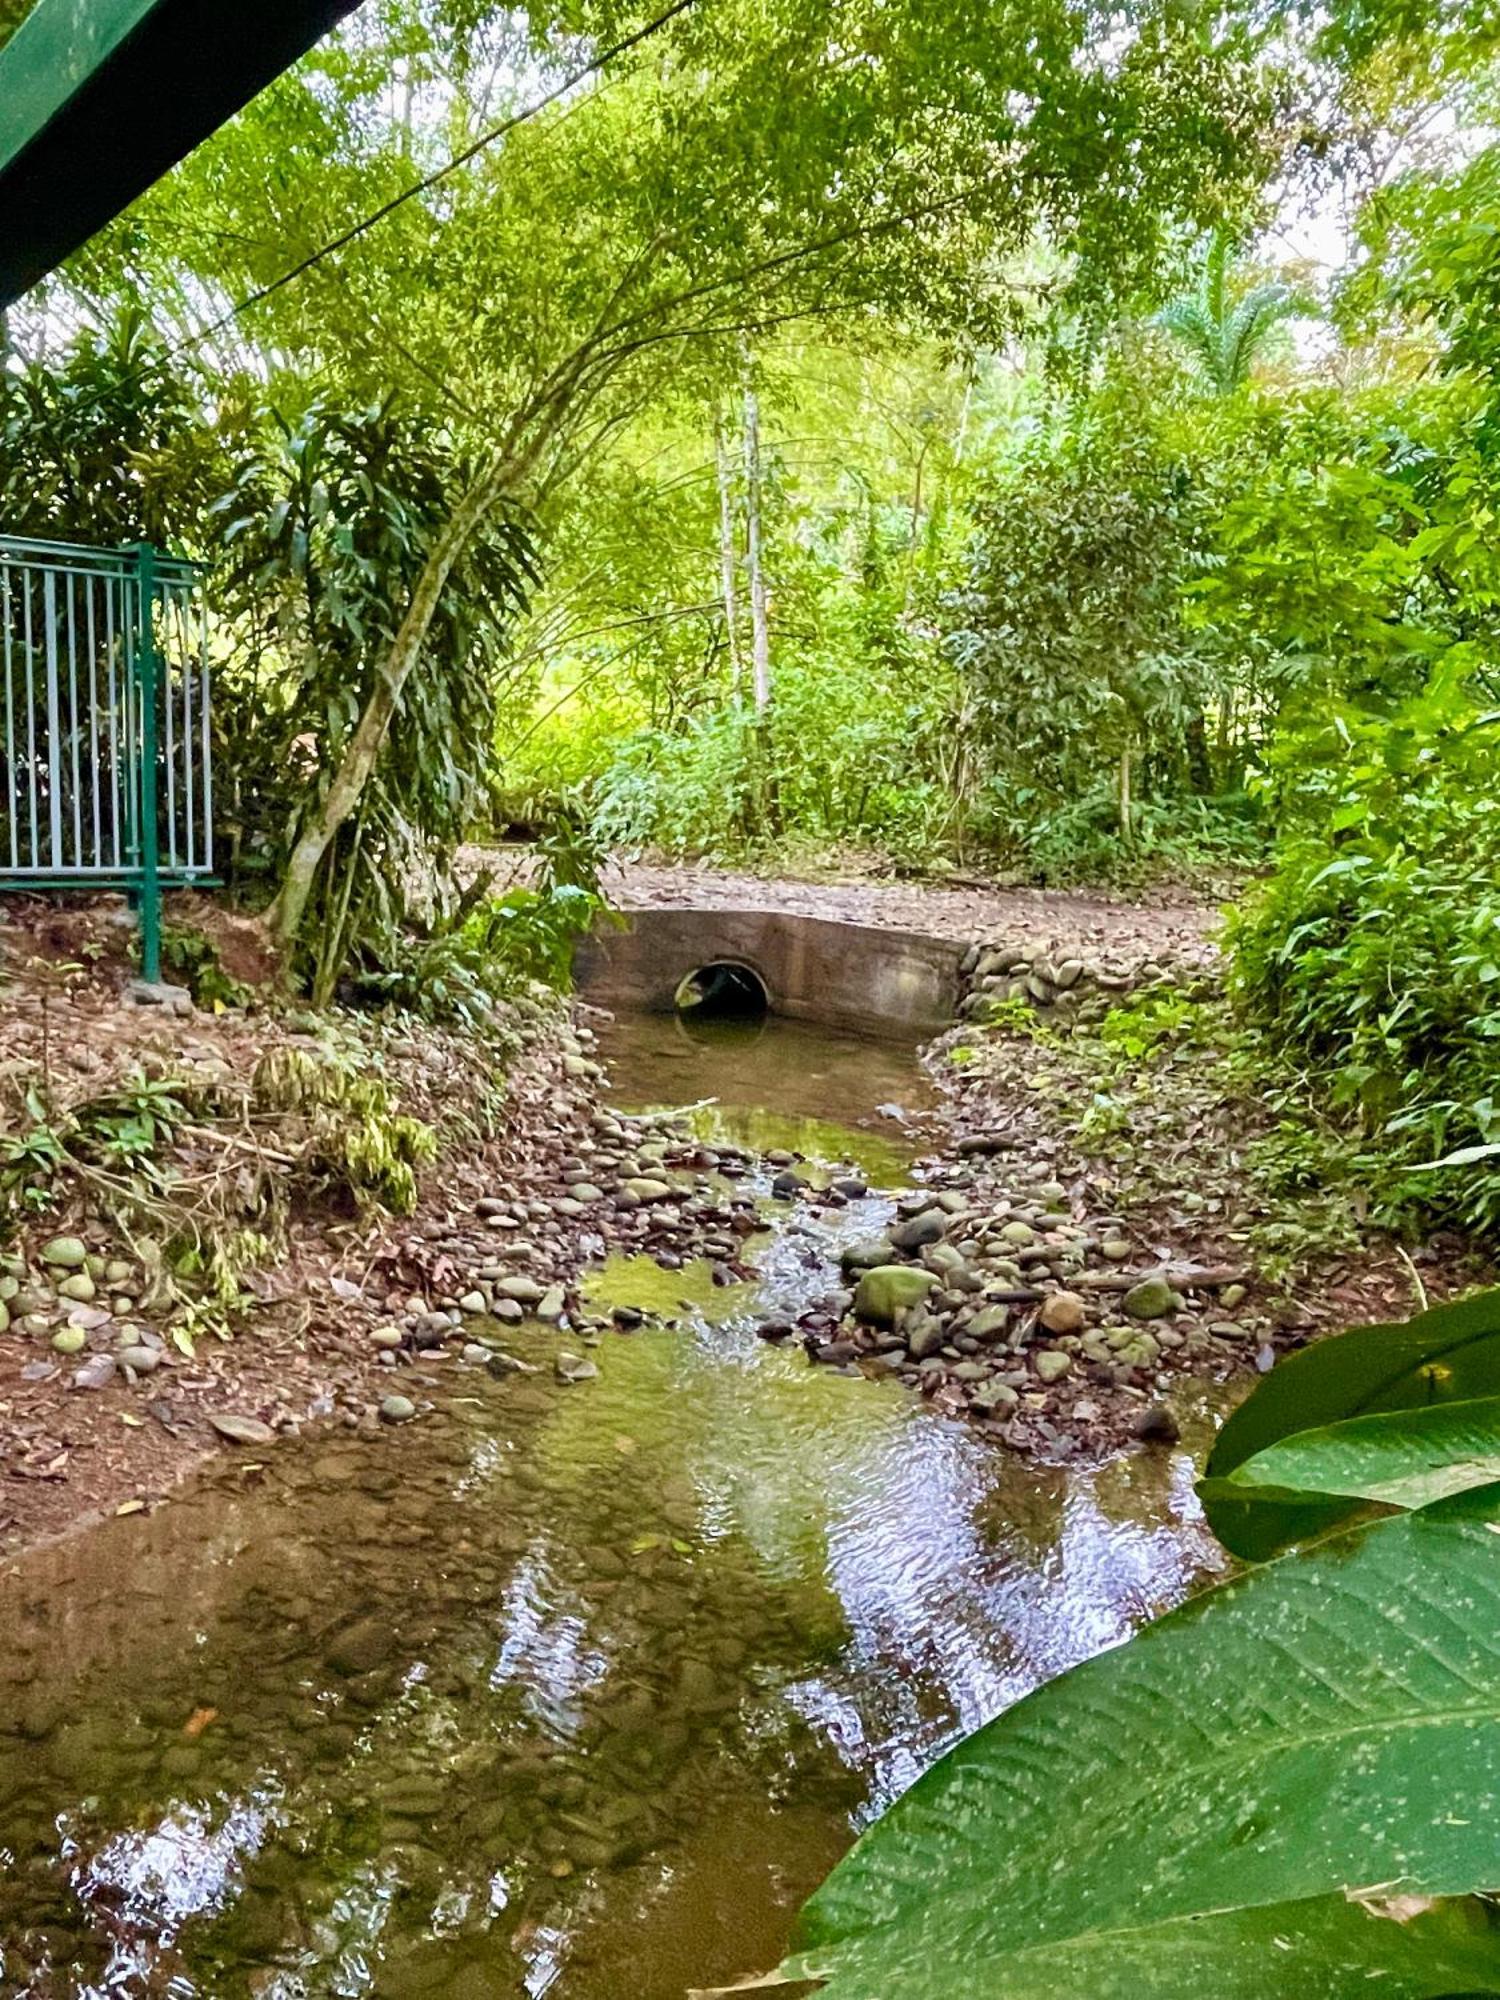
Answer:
[(866, 1254), (889, 1289), (574, 1368), (1052, 1365), (94, 1373), (387, 1337), (70, 1340), (521, 1289), (362, 1647), (397, 1409), (993, 1396), (1062, 1312), (139, 1360), (988, 1322), (65, 1253), (1020, 1234), (1151, 1298), (77, 1285), (473, 1302), (552, 1304), (928, 1227), (241, 1430), (925, 1338), (501, 1364), (586, 1192), (643, 1188)]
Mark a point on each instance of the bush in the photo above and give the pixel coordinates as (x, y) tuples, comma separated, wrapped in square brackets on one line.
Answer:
[(842, 756), (1372, 956)]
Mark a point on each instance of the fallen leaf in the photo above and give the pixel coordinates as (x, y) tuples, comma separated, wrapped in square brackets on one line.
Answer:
[(199, 1720), (131, 1507), (129, 1417)]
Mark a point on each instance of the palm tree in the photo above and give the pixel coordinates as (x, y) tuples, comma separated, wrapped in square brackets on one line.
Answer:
[(1223, 337)]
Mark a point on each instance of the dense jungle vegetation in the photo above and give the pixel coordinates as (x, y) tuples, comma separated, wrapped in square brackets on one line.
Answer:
[(1068, 448), (1041, 440)]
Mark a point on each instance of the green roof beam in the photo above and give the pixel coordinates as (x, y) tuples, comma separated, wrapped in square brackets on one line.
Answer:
[(98, 98)]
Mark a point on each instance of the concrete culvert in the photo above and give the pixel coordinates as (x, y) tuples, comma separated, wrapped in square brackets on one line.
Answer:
[(723, 992)]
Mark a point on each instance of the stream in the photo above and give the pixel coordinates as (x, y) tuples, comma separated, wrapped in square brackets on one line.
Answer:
[(566, 1690)]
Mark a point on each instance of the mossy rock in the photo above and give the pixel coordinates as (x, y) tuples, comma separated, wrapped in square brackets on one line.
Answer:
[(890, 1289)]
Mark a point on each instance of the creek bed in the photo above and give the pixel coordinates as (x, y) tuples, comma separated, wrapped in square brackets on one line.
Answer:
[(574, 1691)]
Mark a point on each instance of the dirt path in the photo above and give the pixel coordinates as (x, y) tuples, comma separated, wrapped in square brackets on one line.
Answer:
[(1168, 925)]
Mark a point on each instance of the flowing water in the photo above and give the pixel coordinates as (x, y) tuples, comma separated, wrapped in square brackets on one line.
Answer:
[(573, 1691)]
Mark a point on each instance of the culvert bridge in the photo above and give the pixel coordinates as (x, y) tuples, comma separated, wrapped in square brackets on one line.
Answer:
[(853, 977)]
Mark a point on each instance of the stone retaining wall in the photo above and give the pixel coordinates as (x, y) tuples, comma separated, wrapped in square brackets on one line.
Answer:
[(1048, 976)]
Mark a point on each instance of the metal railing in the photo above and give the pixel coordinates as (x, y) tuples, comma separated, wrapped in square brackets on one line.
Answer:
[(105, 716)]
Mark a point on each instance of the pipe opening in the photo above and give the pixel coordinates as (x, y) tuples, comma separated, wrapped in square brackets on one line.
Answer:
[(723, 992)]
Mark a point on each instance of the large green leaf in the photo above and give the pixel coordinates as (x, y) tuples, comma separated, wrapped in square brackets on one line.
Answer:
[(1401, 1458), (1179, 1817), (1447, 1355)]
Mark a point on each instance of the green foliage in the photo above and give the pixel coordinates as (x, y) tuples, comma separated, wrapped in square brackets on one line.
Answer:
[(1261, 1793), (1223, 327), (1373, 954), (109, 444), (845, 755), (121, 1131), (1407, 1460), (490, 947), (353, 1144), (327, 524), (1444, 1357), (1088, 695), (459, 973), (1224, 1805), (192, 960), (1162, 1017)]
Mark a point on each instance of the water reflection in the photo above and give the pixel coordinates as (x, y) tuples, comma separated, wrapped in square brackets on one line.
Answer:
[(775, 1083), (571, 1691)]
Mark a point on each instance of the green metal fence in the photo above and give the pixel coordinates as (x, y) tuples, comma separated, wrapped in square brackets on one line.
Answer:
[(109, 775)]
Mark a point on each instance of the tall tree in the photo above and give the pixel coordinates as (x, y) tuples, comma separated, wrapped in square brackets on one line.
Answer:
[(760, 618), (727, 564)]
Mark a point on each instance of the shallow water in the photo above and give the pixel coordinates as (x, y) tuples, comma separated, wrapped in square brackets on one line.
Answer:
[(566, 1691)]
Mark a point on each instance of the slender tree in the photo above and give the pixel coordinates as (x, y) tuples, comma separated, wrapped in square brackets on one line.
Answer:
[(760, 623), (726, 549)]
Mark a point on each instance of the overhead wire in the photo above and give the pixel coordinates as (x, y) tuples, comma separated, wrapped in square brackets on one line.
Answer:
[(426, 182)]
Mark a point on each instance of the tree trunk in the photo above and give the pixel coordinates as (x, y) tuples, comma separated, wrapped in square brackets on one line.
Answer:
[(726, 551), (284, 917), (760, 630), (1127, 824)]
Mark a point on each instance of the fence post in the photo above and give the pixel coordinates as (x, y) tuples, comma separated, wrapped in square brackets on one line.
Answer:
[(146, 682)]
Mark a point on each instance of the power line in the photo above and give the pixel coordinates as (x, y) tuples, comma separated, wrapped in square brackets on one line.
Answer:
[(432, 180)]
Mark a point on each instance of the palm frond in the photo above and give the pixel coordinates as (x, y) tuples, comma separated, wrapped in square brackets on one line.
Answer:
[(1246, 329)]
